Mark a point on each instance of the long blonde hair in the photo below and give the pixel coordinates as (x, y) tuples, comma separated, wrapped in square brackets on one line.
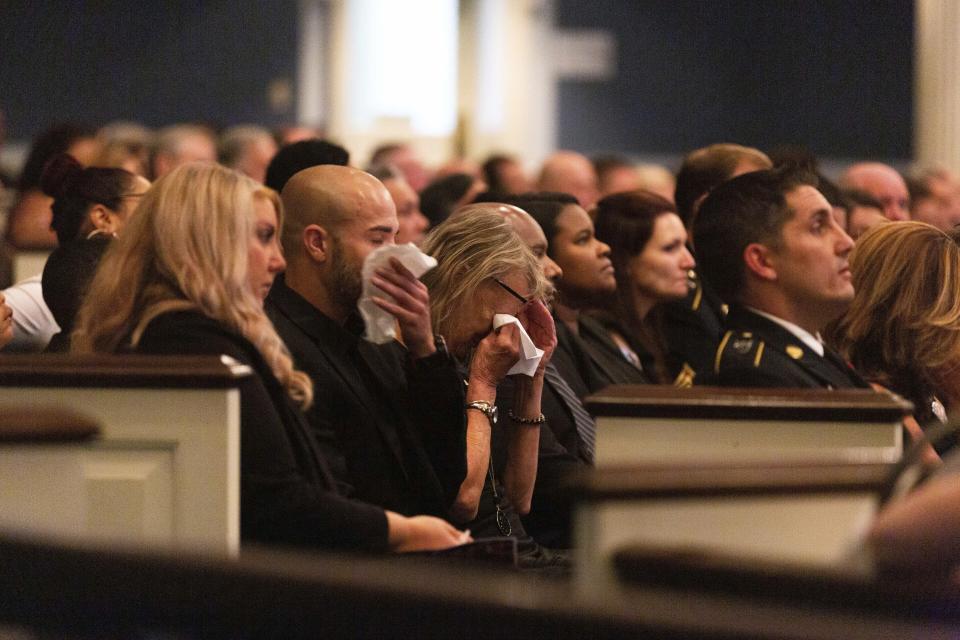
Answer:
[(186, 248), (903, 326)]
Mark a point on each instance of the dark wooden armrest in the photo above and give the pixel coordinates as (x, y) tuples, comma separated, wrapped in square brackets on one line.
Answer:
[(665, 401), (133, 371), (29, 425), (801, 585)]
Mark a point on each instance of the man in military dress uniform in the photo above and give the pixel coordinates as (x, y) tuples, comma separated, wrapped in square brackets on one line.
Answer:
[(768, 244)]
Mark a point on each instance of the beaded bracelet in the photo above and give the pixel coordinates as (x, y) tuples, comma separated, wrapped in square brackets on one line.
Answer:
[(533, 421)]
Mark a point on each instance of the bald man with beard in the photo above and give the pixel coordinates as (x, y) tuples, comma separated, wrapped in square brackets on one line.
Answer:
[(389, 417), (883, 183), (573, 173)]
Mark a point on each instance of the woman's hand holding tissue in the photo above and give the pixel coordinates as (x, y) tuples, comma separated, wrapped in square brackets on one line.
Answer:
[(536, 319), (494, 356), (411, 306)]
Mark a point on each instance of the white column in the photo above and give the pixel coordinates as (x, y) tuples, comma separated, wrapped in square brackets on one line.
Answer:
[(312, 56), (937, 84), (507, 91)]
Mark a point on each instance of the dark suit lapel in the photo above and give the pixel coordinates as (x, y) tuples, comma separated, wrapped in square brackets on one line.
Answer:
[(596, 330), (853, 377), (827, 372)]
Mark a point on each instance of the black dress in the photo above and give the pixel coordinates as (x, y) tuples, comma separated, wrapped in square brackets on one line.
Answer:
[(287, 495)]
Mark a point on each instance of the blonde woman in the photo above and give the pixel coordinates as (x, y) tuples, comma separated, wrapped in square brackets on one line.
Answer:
[(902, 331), (188, 276), (485, 269)]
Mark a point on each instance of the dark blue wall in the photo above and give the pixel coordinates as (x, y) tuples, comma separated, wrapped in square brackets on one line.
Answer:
[(154, 62), (834, 75)]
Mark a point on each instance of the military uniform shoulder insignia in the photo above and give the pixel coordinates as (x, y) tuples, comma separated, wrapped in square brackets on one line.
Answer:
[(697, 295), (684, 379), (719, 355), (693, 284), (794, 351), (738, 346), (742, 343)]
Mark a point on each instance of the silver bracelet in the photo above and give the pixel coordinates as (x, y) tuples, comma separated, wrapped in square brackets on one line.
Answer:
[(532, 421)]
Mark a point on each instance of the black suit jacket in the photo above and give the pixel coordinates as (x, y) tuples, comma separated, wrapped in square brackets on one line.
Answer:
[(287, 495), (757, 352), (606, 356), (395, 429)]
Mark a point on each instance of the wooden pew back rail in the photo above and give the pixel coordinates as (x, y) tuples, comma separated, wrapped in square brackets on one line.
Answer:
[(640, 424), (165, 468), (815, 513)]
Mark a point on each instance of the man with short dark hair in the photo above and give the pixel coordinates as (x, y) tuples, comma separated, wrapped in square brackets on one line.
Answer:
[(297, 156), (772, 249)]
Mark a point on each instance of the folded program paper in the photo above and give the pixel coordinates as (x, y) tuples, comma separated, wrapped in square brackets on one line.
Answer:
[(381, 325), (529, 353)]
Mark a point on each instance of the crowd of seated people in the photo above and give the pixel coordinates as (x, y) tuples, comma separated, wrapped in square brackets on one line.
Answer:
[(739, 271)]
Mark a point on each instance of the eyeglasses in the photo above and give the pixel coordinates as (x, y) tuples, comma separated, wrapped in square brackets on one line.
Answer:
[(510, 290)]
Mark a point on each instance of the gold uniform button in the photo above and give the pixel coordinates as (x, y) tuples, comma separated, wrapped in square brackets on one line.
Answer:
[(794, 352)]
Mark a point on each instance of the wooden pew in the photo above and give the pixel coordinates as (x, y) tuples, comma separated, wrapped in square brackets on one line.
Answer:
[(783, 583), (815, 513), (51, 589), (164, 469), (639, 424)]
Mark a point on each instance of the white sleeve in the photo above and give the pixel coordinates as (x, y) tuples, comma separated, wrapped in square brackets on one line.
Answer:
[(33, 324)]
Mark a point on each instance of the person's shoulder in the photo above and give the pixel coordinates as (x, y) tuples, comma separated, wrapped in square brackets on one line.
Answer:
[(739, 349), (745, 359), (303, 328), (28, 291), (190, 332)]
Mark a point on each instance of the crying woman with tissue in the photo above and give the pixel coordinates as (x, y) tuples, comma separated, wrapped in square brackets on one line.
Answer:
[(487, 297)]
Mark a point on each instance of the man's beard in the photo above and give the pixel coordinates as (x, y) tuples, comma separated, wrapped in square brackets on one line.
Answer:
[(346, 283)]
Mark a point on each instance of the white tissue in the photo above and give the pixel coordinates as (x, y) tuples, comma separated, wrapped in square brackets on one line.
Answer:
[(529, 353), (382, 325)]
